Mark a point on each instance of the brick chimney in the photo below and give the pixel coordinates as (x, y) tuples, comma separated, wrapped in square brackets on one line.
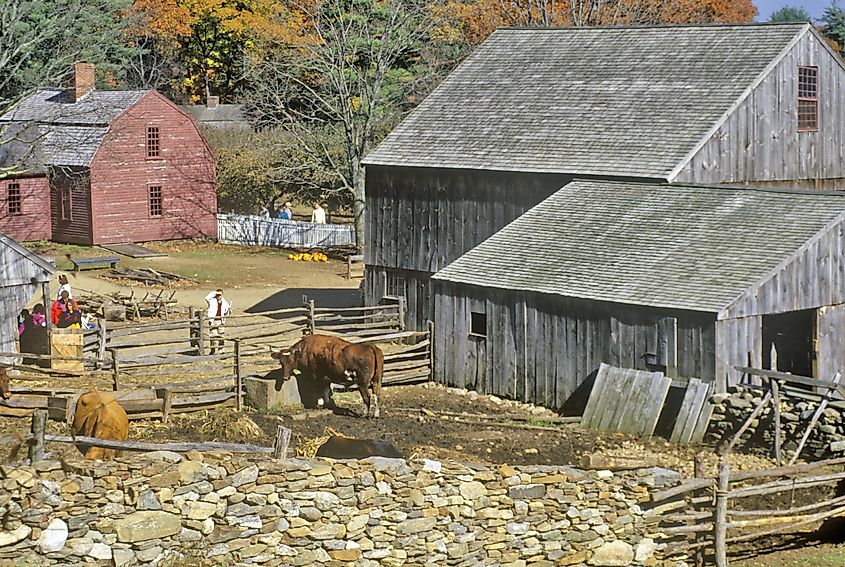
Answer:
[(83, 81), (212, 101)]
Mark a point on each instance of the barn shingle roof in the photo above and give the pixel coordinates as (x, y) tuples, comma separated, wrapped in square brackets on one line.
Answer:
[(619, 101), (66, 133), (219, 116), (675, 246)]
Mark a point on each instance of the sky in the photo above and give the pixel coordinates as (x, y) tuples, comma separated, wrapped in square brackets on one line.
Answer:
[(814, 7)]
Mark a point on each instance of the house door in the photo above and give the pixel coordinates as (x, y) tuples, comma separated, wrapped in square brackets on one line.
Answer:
[(793, 336)]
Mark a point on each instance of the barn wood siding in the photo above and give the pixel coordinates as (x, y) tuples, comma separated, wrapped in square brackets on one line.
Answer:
[(760, 140), (814, 277), (77, 230), (121, 174), (422, 219), (739, 342), (418, 300), (543, 349), (20, 279), (831, 354), (34, 221)]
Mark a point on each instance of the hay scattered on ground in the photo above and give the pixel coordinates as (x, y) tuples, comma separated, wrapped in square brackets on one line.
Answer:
[(307, 446)]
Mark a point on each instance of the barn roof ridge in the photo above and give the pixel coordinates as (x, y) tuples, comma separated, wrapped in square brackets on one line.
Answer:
[(626, 102), (658, 26), (725, 187), (692, 247), (38, 260)]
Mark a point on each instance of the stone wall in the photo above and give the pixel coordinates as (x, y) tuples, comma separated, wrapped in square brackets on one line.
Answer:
[(147, 509), (731, 410)]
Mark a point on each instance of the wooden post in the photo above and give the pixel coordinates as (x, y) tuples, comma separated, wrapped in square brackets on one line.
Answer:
[(720, 515), (698, 466), (401, 313), (430, 349), (238, 377), (280, 447), (312, 324), (748, 421), (45, 297), (816, 416), (101, 351), (39, 427), (166, 403), (193, 332), (201, 336), (115, 369), (776, 402)]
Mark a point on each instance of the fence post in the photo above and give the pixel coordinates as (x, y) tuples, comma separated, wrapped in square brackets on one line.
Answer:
[(430, 349), (193, 332), (201, 334), (720, 515), (280, 447), (698, 467), (238, 378), (115, 369), (101, 351), (39, 426), (401, 313), (166, 403), (776, 402), (309, 304)]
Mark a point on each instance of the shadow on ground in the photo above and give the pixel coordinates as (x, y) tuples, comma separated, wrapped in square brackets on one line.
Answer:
[(323, 297)]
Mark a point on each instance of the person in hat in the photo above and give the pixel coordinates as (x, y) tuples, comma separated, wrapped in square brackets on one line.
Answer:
[(218, 309)]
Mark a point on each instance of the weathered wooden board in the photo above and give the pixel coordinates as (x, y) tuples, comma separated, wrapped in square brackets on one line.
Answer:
[(67, 343), (694, 413)]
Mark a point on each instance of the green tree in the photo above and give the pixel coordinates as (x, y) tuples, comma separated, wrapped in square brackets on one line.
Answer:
[(349, 78), (790, 14), (834, 20)]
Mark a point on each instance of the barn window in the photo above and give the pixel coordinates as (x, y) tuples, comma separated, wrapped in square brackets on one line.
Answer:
[(477, 324), (155, 201), (65, 204), (153, 142), (396, 285), (13, 199), (808, 102)]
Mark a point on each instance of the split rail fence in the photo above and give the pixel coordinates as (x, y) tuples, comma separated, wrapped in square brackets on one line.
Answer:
[(704, 516), (261, 231), (159, 369)]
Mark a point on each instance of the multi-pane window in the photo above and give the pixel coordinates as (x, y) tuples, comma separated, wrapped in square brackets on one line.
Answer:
[(808, 101), (396, 285), (155, 201), (153, 142), (14, 204), (65, 203)]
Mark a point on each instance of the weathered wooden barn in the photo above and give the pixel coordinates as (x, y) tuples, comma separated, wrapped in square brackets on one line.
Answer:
[(531, 109), (690, 280), (23, 274), (101, 167)]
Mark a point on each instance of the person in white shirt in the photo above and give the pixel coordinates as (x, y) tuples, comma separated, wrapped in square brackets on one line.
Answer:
[(218, 309), (318, 215), (64, 285)]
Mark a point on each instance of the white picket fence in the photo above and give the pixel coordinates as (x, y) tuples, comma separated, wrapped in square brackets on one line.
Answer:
[(260, 231)]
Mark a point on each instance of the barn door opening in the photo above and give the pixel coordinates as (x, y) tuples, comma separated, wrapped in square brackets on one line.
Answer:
[(793, 336)]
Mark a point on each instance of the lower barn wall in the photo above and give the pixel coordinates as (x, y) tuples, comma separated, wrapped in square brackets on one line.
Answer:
[(33, 222), (296, 512), (546, 350), (419, 307)]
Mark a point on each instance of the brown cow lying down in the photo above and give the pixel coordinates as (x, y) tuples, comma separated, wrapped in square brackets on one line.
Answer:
[(321, 360), (99, 415), (5, 392), (345, 448)]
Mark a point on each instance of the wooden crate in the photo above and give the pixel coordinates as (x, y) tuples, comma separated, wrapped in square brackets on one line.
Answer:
[(67, 343)]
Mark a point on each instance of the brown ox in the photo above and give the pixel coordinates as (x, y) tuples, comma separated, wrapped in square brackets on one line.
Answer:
[(5, 392), (320, 360), (346, 448), (99, 415)]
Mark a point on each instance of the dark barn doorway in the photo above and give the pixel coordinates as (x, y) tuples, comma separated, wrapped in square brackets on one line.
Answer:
[(793, 335)]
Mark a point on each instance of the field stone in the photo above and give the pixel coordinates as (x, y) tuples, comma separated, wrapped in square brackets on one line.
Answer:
[(19, 534), (191, 472), (151, 524), (244, 476), (123, 557), (612, 554), (53, 538), (100, 551)]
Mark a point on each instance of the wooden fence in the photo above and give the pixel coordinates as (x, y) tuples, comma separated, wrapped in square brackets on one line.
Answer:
[(261, 231), (703, 516)]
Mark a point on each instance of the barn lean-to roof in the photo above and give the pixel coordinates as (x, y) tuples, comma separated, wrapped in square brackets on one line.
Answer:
[(66, 133), (675, 246), (14, 272), (629, 102)]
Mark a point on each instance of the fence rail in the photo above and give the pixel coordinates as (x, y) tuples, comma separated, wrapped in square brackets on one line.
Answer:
[(261, 231)]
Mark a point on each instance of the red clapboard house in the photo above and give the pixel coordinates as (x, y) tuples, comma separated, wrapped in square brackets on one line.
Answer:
[(104, 167)]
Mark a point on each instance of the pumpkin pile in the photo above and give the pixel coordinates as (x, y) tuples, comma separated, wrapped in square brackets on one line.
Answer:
[(306, 257)]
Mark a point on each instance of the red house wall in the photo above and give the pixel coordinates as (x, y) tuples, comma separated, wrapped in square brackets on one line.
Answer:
[(121, 174), (34, 221), (76, 229)]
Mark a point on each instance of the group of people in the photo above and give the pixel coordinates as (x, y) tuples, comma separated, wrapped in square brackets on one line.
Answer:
[(318, 215), (32, 325)]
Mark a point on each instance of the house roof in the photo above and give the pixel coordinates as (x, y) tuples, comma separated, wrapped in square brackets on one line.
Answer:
[(611, 101), (67, 133), (675, 246), (10, 273), (221, 115)]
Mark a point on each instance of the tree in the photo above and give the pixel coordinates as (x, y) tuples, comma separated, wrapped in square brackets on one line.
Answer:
[(834, 20), (39, 42), (348, 78), (790, 14)]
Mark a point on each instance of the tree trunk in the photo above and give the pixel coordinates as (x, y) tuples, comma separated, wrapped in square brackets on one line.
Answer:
[(358, 206)]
